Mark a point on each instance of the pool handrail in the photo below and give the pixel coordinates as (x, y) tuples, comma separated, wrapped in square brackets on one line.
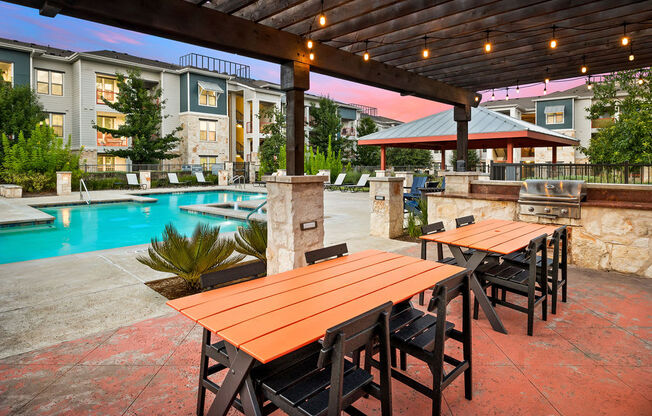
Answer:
[(255, 210), (81, 195)]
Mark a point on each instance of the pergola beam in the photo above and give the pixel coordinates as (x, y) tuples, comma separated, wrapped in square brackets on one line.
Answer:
[(184, 21)]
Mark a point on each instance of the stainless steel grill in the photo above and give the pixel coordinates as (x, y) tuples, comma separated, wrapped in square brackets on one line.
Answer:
[(551, 199)]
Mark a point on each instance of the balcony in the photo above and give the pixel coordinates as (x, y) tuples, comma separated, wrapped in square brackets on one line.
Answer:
[(110, 141)]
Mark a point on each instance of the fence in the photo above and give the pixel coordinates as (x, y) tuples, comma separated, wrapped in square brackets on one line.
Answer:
[(591, 173)]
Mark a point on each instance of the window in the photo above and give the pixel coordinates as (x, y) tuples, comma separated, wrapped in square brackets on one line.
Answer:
[(106, 87), (554, 114), (207, 130), (49, 82), (55, 120), (7, 71), (527, 152), (208, 93), (207, 97), (106, 139), (208, 161)]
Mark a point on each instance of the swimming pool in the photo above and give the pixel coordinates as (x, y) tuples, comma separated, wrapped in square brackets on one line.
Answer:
[(82, 228)]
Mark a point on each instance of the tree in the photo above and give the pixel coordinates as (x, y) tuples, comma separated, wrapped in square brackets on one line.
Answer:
[(326, 124), (367, 155), (397, 156), (474, 159), (143, 117), (20, 110), (629, 137), (270, 149)]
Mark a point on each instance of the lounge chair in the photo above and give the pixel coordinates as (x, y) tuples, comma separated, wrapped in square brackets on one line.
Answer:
[(132, 180), (174, 180), (362, 183), (417, 183), (200, 178), (338, 182)]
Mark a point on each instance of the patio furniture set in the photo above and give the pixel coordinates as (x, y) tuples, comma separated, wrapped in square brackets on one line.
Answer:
[(304, 341)]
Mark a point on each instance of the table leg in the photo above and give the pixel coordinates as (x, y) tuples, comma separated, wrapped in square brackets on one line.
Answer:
[(472, 263), (237, 380)]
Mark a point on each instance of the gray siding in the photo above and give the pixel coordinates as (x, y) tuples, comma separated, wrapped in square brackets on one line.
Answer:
[(21, 65), (194, 95), (568, 113), (183, 93), (347, 113), (59, 104), (170, 86)]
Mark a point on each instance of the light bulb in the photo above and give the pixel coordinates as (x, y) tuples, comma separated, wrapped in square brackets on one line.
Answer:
[(553, 43), (487, 47), (493, 97), (640, 81), (309, 44), (312, 56), (545, 90), (547, 80), (426, 52), (322, 19), (624, 41), (589, 85), (507, 97), (584, 69), (477, 99), (366, 56), (631, 56)]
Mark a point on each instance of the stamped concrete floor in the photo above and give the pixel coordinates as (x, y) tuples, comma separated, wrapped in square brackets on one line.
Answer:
[(593, 358)]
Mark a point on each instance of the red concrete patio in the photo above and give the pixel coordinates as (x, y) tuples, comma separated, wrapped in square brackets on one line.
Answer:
[(593, 358)]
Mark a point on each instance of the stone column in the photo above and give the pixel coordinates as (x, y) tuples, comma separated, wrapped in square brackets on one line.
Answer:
[(222, 177), (295, 220), (145, 179), (64, 182), (460, 182), (386, 194), (228, 167), (409, 177), (462, 115), (253, 172), (381, 173)]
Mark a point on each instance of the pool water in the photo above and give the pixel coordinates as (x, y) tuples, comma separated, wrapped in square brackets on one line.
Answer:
[(82, 228)]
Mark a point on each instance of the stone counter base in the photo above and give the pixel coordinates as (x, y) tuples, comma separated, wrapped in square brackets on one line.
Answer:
[(611, 239)]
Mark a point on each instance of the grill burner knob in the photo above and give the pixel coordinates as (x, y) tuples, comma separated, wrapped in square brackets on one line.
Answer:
[(546, 210), (531, 209)]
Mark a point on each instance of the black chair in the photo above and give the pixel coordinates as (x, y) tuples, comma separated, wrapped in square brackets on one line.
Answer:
[(557, 265), (326, 383), (217, 351), (464, 221), (531, 281), (468, 220), (423, 336), (434, 228), (326, 253)]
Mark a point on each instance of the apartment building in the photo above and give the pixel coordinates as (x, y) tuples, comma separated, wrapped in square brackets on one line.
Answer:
[(562, 111), (215, 101)]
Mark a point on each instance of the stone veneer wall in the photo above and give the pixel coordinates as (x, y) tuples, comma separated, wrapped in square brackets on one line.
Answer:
[(605, 238), (191, 148)]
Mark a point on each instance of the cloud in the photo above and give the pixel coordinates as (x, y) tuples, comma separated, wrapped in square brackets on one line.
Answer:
[(116, 38)]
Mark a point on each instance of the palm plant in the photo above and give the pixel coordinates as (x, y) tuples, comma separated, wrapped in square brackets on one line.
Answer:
[(252, 240), (190, 257)]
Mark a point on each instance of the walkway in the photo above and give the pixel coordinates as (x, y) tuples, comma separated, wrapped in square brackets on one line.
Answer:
[(593, 358)]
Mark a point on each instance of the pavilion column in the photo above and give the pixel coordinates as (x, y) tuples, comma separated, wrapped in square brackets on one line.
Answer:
[(554, 154), (295, 203), (383, 156), (462, 115), (510, 152), (443, 159)]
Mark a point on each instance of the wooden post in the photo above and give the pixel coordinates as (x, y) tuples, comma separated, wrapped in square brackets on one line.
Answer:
[(462, 114), (554, 154), (382, 157), (295, 79), (443, 159), (510, 152)]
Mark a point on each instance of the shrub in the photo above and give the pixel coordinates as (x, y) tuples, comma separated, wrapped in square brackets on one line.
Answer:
[(413, 228), (252, 240), (31, 181), (190, 257)]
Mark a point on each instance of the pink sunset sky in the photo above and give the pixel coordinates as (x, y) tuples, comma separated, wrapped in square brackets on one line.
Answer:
[(25, 24)]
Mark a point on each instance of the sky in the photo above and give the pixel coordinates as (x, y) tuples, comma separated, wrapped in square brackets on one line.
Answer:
[(25, 24)]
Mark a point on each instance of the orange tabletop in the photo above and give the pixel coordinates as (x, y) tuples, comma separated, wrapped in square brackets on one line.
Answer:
[(497, 236), (272, 316)]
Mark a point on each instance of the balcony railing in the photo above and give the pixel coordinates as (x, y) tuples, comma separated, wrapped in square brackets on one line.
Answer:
[(110, 141), (208, 63), (591, 173)]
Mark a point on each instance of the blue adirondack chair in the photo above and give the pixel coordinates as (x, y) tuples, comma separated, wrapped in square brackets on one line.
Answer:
[(418, 182)]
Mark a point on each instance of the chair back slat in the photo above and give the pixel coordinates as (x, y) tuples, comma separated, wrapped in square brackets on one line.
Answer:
[(435, 227), (464, 221), (200, 177), (172, 177), (349, 336), (314, 256), (418, 182), (255, 269)]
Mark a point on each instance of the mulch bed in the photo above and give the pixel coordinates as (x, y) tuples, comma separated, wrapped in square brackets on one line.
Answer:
[(171, 287), (407, 239)]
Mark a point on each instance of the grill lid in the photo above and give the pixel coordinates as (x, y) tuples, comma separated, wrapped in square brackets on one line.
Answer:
[(552, 190)]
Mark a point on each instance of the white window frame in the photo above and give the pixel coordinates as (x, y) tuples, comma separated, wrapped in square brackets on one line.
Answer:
[(12, 70), (214, 122), (48, 122), (555, 115), (49, 81), (217, 96), (115, 90)]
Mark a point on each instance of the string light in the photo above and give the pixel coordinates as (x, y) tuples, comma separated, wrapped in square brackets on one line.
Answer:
[(583, 69), (518, 90), (589, 85), (640, 80), (322, 17), (631, 53), (309, 44), (487, 44), (425, 52), (507, 94), (312, 56), (366, 52), (493, 97), (553, 41), (625, 39), (477, 98), (545, 88), (547, 80)]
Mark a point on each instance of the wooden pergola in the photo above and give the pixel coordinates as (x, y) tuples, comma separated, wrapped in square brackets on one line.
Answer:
[(394, 34)]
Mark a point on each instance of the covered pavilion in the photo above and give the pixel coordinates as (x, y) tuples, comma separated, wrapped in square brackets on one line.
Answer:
[(487, 130)]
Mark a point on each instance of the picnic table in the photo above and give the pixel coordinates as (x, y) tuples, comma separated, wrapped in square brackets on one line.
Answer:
[(264, 319), (483, 238)]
